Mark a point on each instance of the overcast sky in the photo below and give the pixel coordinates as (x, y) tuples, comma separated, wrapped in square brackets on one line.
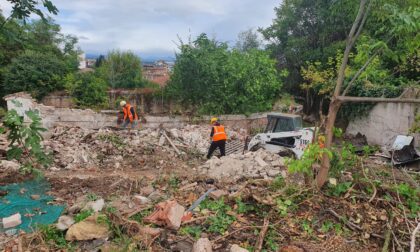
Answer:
[(150, 27)]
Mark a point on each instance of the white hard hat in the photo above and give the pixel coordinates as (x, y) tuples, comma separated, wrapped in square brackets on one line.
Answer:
[(122, 103)]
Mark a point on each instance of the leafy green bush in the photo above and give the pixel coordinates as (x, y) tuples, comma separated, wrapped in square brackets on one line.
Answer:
[(35, 72), (25, 141), (121, 69), (87, 90), (217, 80)]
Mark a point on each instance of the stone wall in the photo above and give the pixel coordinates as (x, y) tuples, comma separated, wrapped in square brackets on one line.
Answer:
[(385, 121), (58, 100), (86, 118)]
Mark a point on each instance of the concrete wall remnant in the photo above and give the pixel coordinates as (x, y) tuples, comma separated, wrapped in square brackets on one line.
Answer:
[(385, 121), (89, 119)]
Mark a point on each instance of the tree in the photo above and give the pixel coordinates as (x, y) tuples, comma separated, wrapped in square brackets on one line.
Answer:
[(35, 72), (99, 61), (22, 9), (217, 80), (87, 89), (122, 70), (248, 40), (307, 31), (341, 89)]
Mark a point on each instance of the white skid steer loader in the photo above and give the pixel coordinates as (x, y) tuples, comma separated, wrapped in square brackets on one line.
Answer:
[(283, 135)]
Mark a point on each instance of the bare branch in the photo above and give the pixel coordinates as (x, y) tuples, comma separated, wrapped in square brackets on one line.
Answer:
[(349, 45), (362, 23), (413, 238), (375, 99)]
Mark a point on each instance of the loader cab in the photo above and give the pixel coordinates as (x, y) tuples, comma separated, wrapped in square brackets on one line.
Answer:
[(279, 122), (285, 124)]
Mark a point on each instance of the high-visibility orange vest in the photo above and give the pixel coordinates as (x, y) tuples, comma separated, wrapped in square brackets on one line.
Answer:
[(219, 133), (128, 114)]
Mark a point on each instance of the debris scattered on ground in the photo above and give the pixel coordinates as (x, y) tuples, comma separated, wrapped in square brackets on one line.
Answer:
[(202, 245), (64, 222), (12, 221), (168, 213), (259, 164), (95, 206), (90, 228), (237, 248)]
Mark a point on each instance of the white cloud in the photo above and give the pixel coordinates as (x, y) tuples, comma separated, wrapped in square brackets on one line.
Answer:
[(146, 26)]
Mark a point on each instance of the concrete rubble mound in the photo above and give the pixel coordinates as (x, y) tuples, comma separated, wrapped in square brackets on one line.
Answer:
[(250, 165), (75, 148)]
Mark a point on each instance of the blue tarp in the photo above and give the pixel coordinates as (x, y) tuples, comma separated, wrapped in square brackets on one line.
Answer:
[(33, 211)]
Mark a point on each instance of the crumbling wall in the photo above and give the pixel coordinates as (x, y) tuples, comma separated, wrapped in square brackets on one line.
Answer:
[(52, 116), (89, 119), (384, 122), (59, 99)]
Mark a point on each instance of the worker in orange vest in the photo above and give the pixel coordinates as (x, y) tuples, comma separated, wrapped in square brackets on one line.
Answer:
[(130, 115), (218, 136)]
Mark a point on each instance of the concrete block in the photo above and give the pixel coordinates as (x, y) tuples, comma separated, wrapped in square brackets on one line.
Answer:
[(202, 245), (12, 221)]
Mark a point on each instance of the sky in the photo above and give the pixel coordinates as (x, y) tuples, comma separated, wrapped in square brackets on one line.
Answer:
[(151, 28)]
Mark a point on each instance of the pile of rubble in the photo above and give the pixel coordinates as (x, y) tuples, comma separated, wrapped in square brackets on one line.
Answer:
[(75, 148), (259, 164)]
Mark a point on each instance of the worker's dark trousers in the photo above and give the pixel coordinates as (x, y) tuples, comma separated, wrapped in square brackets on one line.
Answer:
[(217, 144)]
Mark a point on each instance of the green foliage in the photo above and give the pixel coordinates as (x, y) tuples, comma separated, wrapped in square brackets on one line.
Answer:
[(343, 158), (54, 237), (114, 139), (243, 207), (284, 206), (339, 189), (174, 181), (217, 80), (37, 73), (272, 240), (121, 70), (141, 215), (247, 41), (34, 57), (312, 154), (92, 197), (82, 215), (87, 89), (416, 126), (278, 183), (25, 140), (327, 226), (220, 222), (194, 231), (308, 31), (307, 227), (23, 9), (411, 196)]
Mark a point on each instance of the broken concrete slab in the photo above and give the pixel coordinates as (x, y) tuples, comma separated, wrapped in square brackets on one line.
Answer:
[(168, 213), (12, 221), (64, 222), (141, 200), (88, 229), (96, 205), (35, 196), (202, 245)]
